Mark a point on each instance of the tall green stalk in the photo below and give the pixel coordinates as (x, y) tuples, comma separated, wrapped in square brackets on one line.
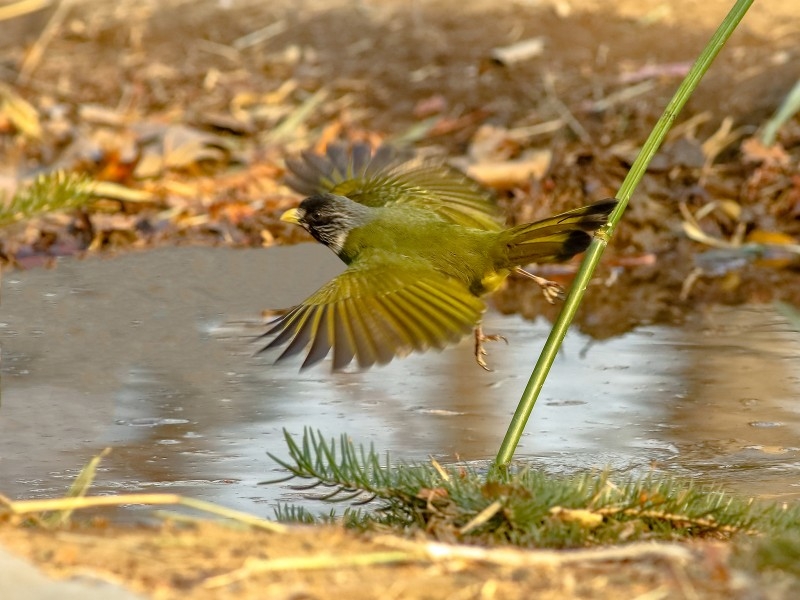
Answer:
[(601, 239)]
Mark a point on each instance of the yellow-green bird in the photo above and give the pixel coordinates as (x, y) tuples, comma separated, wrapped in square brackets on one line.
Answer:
[(422, 243)]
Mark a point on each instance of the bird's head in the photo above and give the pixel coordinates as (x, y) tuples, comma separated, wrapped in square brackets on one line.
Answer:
[(329, 218)]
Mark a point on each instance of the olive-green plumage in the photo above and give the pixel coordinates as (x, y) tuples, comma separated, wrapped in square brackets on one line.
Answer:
[(422, 243)]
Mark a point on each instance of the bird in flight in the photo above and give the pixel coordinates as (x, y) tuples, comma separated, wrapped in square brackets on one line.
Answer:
[(423, 245)]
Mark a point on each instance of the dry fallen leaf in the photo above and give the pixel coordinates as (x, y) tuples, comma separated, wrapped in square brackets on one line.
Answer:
[(519, 51), (581, 516), (234, 212), (432, 105), (492, 144), (186, 147), (432, 494), (19, 112), (781, 249), (754, 151), (513, 173), (115, 191)]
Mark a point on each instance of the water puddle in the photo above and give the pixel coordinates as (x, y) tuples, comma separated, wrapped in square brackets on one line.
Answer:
[(152, 354)]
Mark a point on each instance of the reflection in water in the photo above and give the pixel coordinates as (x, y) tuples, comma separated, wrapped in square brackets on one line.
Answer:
[(152, 354)]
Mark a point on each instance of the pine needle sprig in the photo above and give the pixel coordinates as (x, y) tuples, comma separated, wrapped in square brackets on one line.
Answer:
[(49, 192), (518, 506), (353, 472)]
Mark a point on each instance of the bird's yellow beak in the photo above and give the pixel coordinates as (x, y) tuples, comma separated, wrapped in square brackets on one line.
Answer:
[(291, 216)]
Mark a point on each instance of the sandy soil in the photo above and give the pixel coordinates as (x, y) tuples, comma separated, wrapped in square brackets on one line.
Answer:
[(182, 562)]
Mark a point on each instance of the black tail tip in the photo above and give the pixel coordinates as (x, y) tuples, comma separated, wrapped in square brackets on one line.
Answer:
[(604, 207), (594, 216)]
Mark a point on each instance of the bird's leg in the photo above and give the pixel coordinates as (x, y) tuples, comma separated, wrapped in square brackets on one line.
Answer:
[(480, 351), (551, 290)]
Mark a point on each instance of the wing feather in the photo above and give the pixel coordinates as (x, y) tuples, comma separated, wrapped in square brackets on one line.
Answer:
[(388, 177), (382, 339), (439, 325), (404, 323), (381, 307), (322, 338), (344, 348), (366, 346), (305, 326), (284, 325), (450, 305), (389, 334)]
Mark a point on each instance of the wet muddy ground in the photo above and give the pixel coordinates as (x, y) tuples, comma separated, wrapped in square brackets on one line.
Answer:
[(193, 106)]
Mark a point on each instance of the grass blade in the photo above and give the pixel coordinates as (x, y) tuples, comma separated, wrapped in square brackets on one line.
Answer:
[(600, 241)]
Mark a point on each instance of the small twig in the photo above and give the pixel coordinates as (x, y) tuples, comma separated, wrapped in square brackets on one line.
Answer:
[(22, 507), (529, 131), (519, 51), (23, 7), (289, 126), (688, 283), (482, 517), (660, 593), (684, 583), (688, 128), (259, 36), (311, 563), (677, 519), (513, 557), (563, 111), (36, 52), (620, 96), (411, 551), (227, 52)]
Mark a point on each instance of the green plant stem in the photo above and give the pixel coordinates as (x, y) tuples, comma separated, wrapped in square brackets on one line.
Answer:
[(601, 239)]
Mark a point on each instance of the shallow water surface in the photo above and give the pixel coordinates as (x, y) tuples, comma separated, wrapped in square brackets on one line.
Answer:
[(152, 354)]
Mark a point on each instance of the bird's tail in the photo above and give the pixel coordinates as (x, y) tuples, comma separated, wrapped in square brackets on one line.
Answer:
[(557, 238)]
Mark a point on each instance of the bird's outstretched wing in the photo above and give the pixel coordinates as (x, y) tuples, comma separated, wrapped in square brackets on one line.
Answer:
[(379, 308), (388, 177)]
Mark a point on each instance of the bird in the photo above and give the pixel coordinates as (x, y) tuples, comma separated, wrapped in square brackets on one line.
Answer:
[(424, 245)]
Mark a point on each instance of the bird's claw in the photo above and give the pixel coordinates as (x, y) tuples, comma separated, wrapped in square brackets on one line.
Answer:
[(480, 351), (552, 291)]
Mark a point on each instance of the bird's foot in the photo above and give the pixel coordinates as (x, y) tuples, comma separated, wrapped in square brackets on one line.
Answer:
[(480, 351), (552, 291)]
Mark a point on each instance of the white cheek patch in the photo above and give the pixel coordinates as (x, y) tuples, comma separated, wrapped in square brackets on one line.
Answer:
[(337, 243)]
